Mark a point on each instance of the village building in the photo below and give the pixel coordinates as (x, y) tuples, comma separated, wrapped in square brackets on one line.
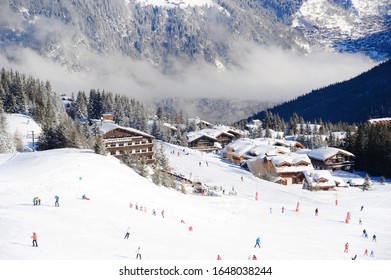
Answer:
[(243, 149), (318, 180), (119, 140), (382, 121), (212, 139), (329, 158), (285, 169), (201, 124)]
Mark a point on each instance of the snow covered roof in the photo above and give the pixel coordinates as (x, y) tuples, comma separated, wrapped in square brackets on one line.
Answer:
[(293, 163), (319, 178), (170, 126), (107, 126), (325, 153), (379, 120), (211, 133)]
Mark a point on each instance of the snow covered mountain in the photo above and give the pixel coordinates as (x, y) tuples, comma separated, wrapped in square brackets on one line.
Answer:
[(227, 225), (347, 25)]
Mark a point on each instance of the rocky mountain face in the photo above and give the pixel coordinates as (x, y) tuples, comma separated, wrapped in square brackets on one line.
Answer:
[(163, 32)]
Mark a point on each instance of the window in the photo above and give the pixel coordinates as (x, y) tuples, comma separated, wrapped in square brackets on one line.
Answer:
[(112, 153)]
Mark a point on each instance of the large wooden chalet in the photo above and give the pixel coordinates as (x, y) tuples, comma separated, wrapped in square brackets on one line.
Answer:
[(119, 140), (332, 159)]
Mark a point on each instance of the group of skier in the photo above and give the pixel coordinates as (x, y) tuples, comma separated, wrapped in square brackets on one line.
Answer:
[(37, 201)]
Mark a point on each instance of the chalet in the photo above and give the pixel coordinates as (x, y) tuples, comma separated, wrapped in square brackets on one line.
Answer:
[(201, 124), (330, 158), (318, 180), (119, 140), (243, 149), (382, 121), (284, 169), (212, 139)]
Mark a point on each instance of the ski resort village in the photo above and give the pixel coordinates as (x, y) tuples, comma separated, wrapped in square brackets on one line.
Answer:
[(135, 196)]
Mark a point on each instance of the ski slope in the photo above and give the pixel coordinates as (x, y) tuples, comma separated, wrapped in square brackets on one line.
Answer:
[(226, 225)]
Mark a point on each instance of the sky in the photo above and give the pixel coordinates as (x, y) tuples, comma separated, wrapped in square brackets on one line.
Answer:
[(265, 74)]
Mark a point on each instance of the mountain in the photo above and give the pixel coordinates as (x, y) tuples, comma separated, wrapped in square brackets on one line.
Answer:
[(170, 48), (356, 100)]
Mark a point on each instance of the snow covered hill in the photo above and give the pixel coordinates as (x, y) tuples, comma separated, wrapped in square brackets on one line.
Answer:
[(226, 225)]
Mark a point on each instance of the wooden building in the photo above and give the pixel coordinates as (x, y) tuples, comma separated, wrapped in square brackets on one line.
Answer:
[(318, 180), (119, 140), (332, 159)]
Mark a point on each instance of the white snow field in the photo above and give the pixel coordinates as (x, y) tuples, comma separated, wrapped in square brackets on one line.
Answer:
[(226, 225)]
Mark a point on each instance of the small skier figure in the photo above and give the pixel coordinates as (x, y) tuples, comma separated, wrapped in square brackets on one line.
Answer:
[(366, 252), (34, 201), (282, 209), (136, 207), (218, 258), (154, 212), (254, 258), (374, 238), (38, 201), (270, 210), (362, 207), (130, 205), (359, 221), (372, 254), (258, 242), (138, 253), (316, 212), (346, 248), (364, 232), (207, 164), (127, 233), (34, 237), (190, 228), (199, 164), (84, 197), (163, 213), (56, 202), (182, 221), (241, 178)]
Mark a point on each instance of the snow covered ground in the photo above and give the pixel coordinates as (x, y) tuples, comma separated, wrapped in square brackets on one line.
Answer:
[(227, 225), (26, 127)]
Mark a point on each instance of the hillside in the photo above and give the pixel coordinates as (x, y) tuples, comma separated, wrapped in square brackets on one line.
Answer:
[(227, 225), (356, 100)]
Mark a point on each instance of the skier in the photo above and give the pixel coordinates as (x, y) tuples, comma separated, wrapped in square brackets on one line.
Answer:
[(199, 164), (138, 253), (127, 233), (56, 202), (364, 232), (282, 209), (316, 212), (154, 212), (136, 207), (84, 197), (218, 258), (346, 248), (258, 242), (271, 210), (254, 258), (38, 201), (34, 237), (362, 207), (359, 221), (372, 254), (130, 205), (190, 228), (207, 164), (366, 252), (34, 201), (374, 238), (163, 213), (241, 178)]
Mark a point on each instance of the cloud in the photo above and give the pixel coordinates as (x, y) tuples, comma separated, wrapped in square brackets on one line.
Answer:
[(264, 74)]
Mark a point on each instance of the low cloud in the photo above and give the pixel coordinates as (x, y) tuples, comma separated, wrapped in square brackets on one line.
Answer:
[(264, 74)]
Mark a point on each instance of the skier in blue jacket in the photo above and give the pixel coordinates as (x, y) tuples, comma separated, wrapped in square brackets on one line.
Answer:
[(258, 242)]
